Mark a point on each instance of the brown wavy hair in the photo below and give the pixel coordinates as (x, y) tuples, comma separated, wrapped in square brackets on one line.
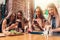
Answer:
[(41, 12)]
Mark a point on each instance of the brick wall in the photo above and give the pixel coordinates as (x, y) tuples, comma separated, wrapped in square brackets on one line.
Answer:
[(19, 5), (22, 5)]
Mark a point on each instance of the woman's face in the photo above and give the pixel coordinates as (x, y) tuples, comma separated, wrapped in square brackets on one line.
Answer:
[(51, 11), (12, 17), (37, 11), (19, 15)]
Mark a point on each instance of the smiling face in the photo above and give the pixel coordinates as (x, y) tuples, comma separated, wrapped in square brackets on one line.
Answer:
[(39, 12), (51, 11)]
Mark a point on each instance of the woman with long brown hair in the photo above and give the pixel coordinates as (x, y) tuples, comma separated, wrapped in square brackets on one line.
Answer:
[(38, 21), (9, 23)]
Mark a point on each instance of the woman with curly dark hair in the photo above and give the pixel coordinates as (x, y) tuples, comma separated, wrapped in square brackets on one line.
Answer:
[(22, 21)]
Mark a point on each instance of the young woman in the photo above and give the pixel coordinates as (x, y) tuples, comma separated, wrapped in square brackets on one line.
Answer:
[(22, 21), (38, 21), (53, 18), (9, 23)]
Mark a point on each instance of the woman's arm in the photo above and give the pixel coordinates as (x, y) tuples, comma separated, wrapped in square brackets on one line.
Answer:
[(12, 26), (5, 28), (4, 25), (56, 30), (48, 19), (40, 24)]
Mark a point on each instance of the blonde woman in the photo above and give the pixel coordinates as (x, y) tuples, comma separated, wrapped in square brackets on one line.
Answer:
[(53, 18)]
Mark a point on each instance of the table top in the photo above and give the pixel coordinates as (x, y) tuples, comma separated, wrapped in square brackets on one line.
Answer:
[(30, 37)]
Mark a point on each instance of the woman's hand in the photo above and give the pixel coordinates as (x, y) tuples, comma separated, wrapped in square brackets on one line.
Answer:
[(39, 22), (13, 26), (6, 32)]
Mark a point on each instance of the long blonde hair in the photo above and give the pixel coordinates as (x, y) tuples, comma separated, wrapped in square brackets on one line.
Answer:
[(52, 5), (56, 14)]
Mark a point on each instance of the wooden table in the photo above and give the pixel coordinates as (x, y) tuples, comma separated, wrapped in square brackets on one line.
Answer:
[(30, 37)]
